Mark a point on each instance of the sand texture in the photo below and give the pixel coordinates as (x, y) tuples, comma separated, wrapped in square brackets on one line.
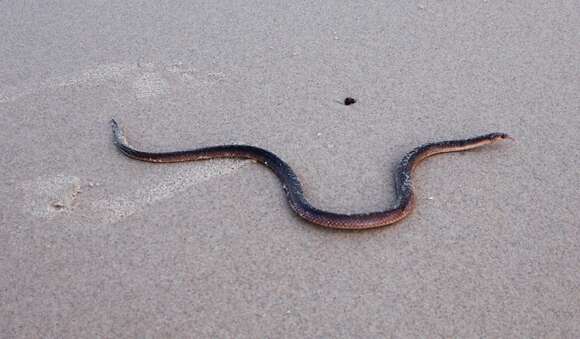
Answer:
[(97, 245)]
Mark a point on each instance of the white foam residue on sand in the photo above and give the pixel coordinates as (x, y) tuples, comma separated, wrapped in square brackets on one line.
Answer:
[(45, 197), (150, 85), (147, 79), (112, 210), (122, 206), (96, 75)]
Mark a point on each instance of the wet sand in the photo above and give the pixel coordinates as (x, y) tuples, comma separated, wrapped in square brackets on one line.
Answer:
[(96, 244)]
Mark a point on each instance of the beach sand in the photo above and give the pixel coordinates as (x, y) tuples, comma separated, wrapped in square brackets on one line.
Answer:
[(97, 245)]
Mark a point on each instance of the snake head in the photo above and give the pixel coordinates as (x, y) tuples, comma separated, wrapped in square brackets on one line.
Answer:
[(495, 137)]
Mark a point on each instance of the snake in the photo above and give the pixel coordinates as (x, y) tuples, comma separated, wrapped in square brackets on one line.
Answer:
[(404, 194)]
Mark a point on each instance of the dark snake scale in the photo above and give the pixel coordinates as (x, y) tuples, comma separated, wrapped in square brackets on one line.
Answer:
[(404, 203)]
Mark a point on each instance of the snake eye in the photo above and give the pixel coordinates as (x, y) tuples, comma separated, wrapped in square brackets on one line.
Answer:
[(501, 136)]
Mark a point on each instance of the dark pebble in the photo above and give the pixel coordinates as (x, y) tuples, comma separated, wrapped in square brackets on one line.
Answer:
[(349, 101)]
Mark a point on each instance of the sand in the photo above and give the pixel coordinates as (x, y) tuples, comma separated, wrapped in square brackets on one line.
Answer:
[(97, 245)]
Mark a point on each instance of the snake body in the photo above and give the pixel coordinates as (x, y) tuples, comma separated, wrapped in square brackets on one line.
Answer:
[(405, 198)]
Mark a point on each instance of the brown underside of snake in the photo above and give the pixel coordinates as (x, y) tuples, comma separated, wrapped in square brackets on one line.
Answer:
[(405, 198)]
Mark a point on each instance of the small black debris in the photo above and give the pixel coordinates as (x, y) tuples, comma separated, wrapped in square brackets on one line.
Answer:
[(349, 101)]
